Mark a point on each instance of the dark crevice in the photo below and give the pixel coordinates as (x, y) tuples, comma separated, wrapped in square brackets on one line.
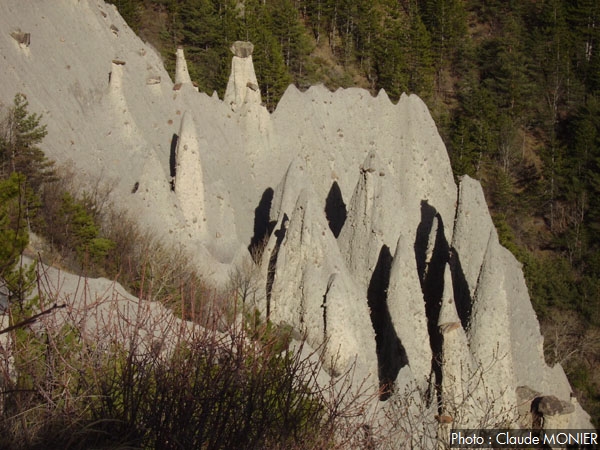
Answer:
[(279, 234), (462, 294), (324, 305), (173, 160), (335, 209), (391, 355), (431, 275), (173, 156), (263, 227)]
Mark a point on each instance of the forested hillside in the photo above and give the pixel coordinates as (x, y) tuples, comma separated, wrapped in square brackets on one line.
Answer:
[(514, 87)]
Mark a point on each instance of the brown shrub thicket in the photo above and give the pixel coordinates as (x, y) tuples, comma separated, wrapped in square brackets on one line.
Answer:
[(109, 373)]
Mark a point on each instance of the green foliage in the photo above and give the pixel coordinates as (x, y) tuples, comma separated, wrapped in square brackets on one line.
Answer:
[(80, 230), (23, 170), (402, 53), (13, 230), (446, 22), (390, 63), (581, 376), (20, 134), (206, 49), (130, 11), (269, 62), (293, 39)]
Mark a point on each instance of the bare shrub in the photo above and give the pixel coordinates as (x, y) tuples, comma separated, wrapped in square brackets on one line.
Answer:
[(423, 418), (110, 372)]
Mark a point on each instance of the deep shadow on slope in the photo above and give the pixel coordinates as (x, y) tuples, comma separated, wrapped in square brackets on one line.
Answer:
[(431, 276), (391, 355), (335, 209), (263, 227), (462, 295)]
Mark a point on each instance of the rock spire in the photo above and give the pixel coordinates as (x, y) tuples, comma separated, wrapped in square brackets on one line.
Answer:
[(242, 87), (189, 178), (181, 70)]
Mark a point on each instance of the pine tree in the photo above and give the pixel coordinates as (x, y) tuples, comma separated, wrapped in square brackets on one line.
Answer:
[(368, 31), (205, 49), (550, 52), (320, 17), (268, 59), (130, 11), (420, 57), (584, 21), (446, 22), (81, 231), (20, 134), (293, 41), (13, 226), (474, 138), (391, 65)]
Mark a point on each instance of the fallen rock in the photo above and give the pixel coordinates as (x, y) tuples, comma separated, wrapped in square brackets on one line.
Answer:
[(525, 397), (549, 405)]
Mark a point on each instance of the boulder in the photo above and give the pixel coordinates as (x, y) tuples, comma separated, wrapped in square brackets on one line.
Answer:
[(242, 49), (549, 405)]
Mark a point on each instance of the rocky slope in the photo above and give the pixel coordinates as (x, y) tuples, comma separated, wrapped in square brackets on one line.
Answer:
[(370, 245)]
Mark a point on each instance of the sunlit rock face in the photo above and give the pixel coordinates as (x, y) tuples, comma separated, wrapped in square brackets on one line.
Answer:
[(367, 244)]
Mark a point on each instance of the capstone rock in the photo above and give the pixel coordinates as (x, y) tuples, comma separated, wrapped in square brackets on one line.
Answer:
[(242, 49)]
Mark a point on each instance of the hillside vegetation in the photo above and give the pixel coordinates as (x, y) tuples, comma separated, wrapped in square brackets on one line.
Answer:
[(514, 88), (234, 382)]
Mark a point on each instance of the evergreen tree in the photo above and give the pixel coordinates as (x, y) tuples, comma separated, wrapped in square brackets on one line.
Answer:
[(418, 48), (505, 67), (293, 41), (80, 231), (474, 136), (203, 43), (268, 59), (20, 134), (391, 65), (550, 60), (584, 21), (320, 15), (446, 22), (368, 31), (550, 55), (584, 158), (13, 225), (130, 11)]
